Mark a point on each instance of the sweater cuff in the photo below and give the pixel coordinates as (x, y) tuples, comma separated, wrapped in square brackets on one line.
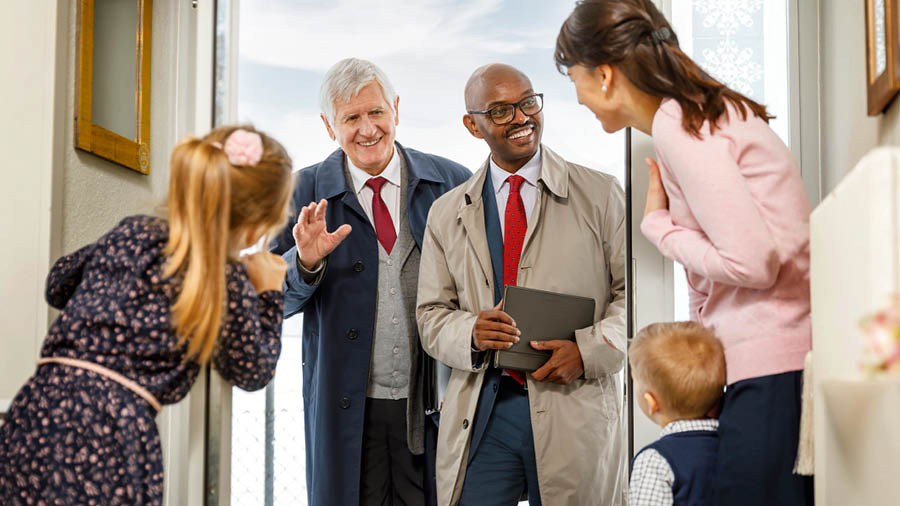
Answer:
[(655, 225)]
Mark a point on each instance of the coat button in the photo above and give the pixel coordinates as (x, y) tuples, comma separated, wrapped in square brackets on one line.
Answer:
[(358, 266), (345, 403), (466, 423), (352, 334)]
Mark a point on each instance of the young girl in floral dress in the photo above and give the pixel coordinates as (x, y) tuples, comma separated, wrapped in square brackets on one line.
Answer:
[(142, 309)]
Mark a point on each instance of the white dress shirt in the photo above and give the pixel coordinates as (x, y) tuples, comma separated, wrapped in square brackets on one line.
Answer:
[(390, 192), (531, 171)]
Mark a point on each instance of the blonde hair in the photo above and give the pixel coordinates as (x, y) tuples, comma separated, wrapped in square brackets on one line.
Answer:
[(683, 363), (211, 206)]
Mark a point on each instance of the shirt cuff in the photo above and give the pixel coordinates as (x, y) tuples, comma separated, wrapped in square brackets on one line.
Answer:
[(312, 277)]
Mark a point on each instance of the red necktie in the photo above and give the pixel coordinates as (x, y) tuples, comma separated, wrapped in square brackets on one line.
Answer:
[(515, 225), (384, 226)]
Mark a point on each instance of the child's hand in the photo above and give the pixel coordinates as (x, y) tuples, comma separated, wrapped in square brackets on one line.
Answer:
[(266, 270)]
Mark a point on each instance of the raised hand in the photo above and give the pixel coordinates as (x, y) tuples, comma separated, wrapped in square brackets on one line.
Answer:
[(266, 270), (656, 193), (494, 330), (314, 242)]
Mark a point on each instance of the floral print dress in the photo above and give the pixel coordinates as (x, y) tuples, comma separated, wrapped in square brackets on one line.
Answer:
[(73, 436)]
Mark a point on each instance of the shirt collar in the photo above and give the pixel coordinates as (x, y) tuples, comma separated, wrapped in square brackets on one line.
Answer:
[(391, 172), (531, 171), (710, 424)]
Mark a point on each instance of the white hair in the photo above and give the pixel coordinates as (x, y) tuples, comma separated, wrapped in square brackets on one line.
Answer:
[(346, 78)]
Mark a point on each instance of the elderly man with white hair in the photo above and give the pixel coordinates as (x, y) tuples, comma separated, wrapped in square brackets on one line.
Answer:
[(363, 379)]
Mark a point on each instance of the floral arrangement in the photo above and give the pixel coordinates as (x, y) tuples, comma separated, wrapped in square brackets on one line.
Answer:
[(881, 343)]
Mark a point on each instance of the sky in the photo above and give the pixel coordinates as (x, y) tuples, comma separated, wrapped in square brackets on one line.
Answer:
[(428, 48)]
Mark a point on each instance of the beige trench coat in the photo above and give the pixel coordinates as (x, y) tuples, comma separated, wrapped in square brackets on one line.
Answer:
[(574, 244)]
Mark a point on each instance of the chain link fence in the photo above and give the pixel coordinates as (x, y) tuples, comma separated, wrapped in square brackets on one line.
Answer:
[(268, 446)]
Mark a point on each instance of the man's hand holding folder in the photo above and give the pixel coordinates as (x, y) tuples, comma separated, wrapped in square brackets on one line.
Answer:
[(564, 366), (494, 330)]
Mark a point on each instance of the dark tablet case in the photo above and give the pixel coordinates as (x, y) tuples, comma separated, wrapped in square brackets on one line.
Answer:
[(541, 316)]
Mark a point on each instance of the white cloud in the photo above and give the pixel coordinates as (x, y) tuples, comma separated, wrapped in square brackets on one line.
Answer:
[(314, 35)]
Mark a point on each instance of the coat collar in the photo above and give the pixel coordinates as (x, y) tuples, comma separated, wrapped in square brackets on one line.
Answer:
[(554, 174), (331, 181)]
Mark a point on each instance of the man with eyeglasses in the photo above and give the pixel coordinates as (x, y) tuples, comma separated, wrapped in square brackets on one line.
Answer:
[(528, 218)]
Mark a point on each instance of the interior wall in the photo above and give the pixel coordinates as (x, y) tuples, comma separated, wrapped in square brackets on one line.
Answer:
[(30, 193), (847, 132)]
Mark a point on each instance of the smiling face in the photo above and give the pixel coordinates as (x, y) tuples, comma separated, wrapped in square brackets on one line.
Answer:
[(365, 128), (514, 143), (605, 104)]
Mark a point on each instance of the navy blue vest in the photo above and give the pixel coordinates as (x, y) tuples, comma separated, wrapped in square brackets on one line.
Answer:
[(692, 457)]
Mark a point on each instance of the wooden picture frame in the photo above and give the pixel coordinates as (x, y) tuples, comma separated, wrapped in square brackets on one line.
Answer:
[(133, 148), (882, 53)]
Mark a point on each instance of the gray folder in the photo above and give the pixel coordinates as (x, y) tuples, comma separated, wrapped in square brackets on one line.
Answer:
[(541, 316)]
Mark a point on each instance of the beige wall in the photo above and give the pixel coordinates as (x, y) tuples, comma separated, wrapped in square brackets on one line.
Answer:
[(30, 193), (847, 132)]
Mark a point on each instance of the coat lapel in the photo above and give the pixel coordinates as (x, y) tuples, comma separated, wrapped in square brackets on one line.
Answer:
[(333, 181), (554, 179), (493, 234), (471, 213)]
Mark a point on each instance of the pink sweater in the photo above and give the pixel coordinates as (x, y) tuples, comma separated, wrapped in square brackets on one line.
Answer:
[(738, 220)]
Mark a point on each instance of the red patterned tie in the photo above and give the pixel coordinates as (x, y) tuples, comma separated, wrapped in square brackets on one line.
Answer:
[(384, 226), (515, 225)]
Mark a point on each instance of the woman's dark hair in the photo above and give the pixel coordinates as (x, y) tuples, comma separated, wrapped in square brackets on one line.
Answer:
[(635, 37)]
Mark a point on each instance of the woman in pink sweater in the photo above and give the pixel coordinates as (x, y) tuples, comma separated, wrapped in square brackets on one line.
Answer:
[(727, 202)]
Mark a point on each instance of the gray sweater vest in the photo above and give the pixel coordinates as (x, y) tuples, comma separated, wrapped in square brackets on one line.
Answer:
[(396, 337), (395, 369)]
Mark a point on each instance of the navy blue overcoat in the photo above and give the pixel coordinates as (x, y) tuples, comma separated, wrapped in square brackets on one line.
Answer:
[(339, 314)]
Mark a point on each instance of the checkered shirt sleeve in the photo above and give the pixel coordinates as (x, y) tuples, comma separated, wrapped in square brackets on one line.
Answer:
[(651, 480)]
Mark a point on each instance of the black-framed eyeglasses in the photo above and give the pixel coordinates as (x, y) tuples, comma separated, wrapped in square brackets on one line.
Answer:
[(502, 114)]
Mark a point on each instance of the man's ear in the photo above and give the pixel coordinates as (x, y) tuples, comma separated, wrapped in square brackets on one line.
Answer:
[(471, 126), (397, 110), (652, 403), (328, 127)]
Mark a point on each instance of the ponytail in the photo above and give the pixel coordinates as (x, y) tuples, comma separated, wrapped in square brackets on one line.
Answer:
[(199, 201), (213, 201), (635, 37)]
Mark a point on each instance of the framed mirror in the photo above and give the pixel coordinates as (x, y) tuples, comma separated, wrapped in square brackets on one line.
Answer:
[(882, 54), (112, 82)]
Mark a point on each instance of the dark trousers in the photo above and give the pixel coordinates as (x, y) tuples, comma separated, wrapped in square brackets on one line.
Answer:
[(504, 464), (758, 432), (391, 474)]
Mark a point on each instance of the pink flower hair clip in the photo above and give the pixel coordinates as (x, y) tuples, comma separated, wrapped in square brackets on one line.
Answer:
[(243, 148)]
